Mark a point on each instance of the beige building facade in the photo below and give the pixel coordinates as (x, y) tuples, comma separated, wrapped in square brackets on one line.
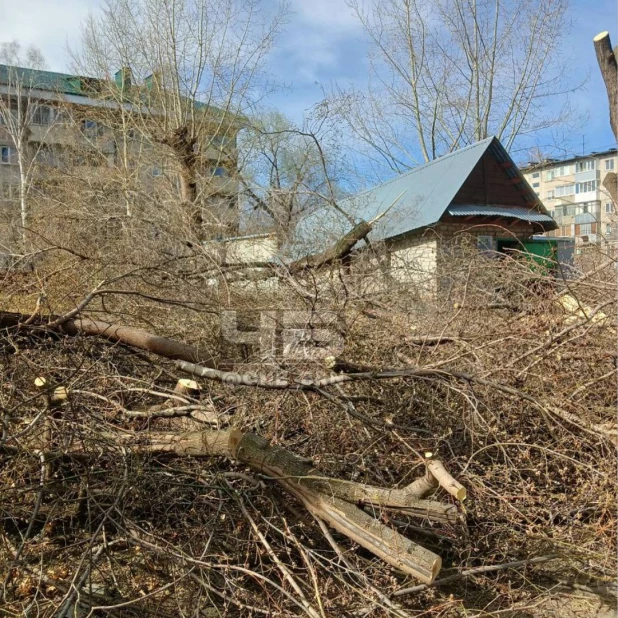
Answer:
[(573, 193), (66, 121)]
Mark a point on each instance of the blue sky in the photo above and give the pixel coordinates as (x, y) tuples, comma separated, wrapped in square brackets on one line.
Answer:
[(323, 44)]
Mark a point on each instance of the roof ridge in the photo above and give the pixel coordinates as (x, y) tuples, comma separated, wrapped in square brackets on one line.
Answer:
[(423, 166)]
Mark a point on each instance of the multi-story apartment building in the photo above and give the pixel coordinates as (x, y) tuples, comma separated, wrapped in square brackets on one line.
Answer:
[(74, 120), (573, 193)]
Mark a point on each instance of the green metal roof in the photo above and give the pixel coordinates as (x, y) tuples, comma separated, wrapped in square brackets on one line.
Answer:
[(42, 80), (64, 83)]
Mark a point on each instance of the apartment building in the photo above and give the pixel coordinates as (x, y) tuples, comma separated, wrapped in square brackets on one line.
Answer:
[(572, 191), (70, 119)]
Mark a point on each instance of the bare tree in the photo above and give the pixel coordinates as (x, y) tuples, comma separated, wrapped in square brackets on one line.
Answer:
[(446, 73), (18, 108), (191, 69), (287, 170)]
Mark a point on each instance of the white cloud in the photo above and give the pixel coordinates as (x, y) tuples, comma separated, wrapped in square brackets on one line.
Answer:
[(327, 14), (47, 24)]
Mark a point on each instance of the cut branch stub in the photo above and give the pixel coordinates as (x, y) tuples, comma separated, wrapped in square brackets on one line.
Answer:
[(188, 388), (446, 481)]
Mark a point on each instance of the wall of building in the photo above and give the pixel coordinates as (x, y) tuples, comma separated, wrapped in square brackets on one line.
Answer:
[(573, 188)]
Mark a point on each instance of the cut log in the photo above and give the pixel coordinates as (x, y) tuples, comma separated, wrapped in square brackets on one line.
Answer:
[(608, 65), (294, 475), (188, 388), (423, 485), (447, 482)]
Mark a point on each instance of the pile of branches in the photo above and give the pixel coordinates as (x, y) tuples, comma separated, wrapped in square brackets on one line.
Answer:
[(450, 456)]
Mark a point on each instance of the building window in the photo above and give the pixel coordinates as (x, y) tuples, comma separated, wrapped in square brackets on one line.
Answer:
[(609, 164), (608, 228), (43, 114), (562, 170), (219, 171), (550, 195), (535, 185), (90, 128), (585, 166), (565, 190), (609, 207), (586, 187), (485, 243), (537, 174), (585, 229), (7, 155)]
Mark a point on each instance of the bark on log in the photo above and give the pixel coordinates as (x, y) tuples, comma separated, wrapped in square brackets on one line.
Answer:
[(455, 488), (608, 65), (338, 251), (317, 494), (127, 335)]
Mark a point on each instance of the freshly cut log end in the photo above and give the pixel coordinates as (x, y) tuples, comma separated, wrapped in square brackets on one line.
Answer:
[(59, 396), (190, 388), (435, 568), (601, 35)]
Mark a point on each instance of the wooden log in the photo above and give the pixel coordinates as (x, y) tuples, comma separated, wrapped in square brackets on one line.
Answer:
[(292, 474), (399, 499), (446, 481), (608, 65), (425, 484), (187, 388)]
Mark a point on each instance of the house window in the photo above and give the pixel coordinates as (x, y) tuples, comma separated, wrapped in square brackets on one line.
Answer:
[(608, 228), (609, 164), (609, 207), (485, 243), (537, 174), (43, 115), (586, 187), (585, 166), (585, 229), (535, 185), (7, 155)]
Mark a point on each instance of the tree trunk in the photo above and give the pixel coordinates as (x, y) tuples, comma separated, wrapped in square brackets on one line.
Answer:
[(609, 70), (320, 495)]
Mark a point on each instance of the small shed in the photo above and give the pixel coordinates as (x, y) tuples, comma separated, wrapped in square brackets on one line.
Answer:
[(478, 190)]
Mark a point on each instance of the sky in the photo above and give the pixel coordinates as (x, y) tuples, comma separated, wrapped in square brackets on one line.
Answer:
[(322, 45)]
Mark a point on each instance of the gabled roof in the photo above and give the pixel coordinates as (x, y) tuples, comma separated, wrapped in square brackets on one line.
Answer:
[(420, 197)]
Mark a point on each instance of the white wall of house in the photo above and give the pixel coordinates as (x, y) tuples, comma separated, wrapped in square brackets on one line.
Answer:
[(413, 261)]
